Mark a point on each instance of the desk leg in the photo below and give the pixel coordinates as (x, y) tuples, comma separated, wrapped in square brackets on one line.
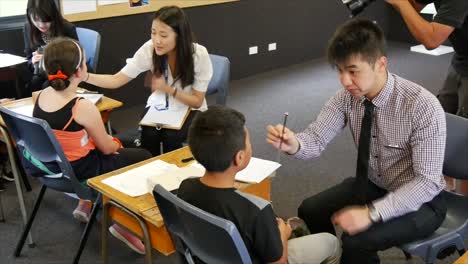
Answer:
[(2, 215), (141, 222), (14, 168)]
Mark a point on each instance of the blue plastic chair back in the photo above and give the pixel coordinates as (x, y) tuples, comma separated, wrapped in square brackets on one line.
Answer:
[(36, 136), (197, 233), (90, 40), (220, 80), (454, 229), (456, 148)]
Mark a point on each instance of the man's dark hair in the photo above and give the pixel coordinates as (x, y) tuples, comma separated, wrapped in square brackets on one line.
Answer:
[(215, 136), (356, 37)]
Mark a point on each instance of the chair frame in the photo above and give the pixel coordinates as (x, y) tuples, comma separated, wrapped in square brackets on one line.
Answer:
[(67, 183), (163, 196), (221, 94), (454, 156), (97, 47)]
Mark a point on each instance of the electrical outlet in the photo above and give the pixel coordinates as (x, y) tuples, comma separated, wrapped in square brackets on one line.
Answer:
[(253, 50), (272, 46)]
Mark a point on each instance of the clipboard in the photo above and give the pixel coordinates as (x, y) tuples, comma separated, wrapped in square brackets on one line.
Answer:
[(158, 119)]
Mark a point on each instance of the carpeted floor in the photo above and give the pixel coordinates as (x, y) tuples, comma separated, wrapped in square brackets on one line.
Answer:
[(300, 90)]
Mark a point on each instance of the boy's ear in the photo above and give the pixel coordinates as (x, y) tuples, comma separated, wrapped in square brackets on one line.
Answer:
[(239, 158)]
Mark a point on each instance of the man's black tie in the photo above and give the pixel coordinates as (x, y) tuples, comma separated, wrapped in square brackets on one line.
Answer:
[(362, 168)]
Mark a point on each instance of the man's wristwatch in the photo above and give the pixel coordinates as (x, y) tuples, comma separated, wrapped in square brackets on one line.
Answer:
[(374, 214)]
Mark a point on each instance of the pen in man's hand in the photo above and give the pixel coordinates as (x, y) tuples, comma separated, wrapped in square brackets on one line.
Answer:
[(281, 138)]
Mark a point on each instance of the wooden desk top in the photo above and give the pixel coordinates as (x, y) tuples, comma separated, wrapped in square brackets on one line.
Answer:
[(105, 104), (144, 205), (463, 259)]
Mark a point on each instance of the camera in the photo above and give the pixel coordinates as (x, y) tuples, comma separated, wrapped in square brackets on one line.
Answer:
[(356, 6), (39, 66)]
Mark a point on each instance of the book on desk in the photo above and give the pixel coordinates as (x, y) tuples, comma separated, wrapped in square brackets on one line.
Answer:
[(26, 108), (141, 180)]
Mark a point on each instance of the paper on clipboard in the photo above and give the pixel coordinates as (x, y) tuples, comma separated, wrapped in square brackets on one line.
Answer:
[(172, 118)]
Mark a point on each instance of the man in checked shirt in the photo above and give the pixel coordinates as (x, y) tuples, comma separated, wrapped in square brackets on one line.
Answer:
[(400, 201)]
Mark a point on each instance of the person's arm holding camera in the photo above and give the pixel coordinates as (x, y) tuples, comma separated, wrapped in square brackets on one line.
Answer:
[(430, 34)]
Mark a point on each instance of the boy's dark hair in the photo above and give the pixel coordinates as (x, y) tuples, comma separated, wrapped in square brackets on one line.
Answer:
[(360, 37), (215, 136)]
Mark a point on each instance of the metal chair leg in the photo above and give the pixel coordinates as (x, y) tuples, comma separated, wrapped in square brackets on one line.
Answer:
[(84, 236), (20, 244), (14, 168), (24, 179), (141, 222), (2, 214), (109, 127)]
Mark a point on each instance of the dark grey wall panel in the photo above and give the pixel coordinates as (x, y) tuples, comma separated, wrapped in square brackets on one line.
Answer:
[(301, 29)]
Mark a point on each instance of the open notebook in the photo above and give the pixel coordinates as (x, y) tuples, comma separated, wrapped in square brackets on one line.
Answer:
[(142, 180)]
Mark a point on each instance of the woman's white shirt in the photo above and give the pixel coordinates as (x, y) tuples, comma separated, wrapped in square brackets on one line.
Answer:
[(142, 61)]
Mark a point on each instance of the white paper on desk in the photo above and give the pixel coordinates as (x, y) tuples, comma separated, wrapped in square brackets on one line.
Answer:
[(171, 180), (111, 2), (78, 6), (134, 182), (172, 117), (7, 60), (257, 170), (95, 98), (26, 109)]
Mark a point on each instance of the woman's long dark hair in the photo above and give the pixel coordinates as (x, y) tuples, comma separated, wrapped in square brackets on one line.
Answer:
[(45, 11), (174, 17)]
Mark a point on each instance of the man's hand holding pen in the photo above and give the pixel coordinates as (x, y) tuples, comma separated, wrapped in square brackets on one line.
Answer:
[(289, 145)]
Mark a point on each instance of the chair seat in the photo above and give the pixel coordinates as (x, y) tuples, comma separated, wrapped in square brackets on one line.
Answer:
[(451, 232)]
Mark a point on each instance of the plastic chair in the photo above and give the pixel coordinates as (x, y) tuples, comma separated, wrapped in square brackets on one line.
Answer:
[(90, 40), (199, 234), (220, 81), (34, 136), (455, 226)]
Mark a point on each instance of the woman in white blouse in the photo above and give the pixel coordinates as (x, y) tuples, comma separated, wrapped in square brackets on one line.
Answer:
[(181, 73)]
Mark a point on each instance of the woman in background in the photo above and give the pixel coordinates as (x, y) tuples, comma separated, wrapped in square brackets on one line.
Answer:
[(44, 23), (77, 124), (181, 73)]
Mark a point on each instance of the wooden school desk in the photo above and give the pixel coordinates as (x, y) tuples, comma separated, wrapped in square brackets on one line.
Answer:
[(105, 106), (145, 209), (11, 72), (463, 259)]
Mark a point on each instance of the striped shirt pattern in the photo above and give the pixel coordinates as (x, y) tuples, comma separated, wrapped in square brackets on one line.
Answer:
[(407, 144)]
